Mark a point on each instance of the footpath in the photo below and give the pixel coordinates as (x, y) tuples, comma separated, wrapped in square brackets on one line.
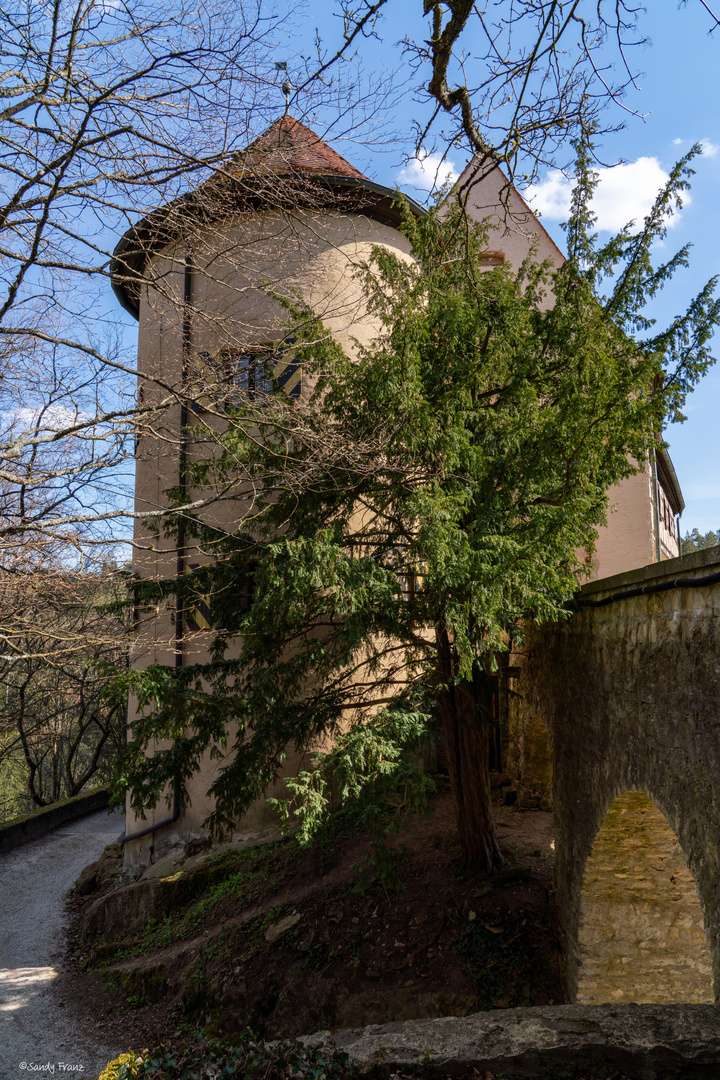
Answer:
[(34, 879)]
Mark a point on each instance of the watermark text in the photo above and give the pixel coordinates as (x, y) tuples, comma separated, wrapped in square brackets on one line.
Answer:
[(48, 1067)]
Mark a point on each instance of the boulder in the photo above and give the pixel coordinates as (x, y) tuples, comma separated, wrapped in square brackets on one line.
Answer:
[(89, 879), (102, 873), (202, 859), (123, 912), (276, 931), (168, 884), (165, 867)]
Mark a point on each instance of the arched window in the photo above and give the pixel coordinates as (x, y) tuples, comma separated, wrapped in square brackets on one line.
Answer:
[(490, 259)]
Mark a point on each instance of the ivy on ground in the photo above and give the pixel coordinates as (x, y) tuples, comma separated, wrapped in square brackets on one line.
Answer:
[(199, 1059)]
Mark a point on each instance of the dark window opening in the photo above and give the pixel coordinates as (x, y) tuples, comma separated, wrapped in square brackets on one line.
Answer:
[(245, 589)]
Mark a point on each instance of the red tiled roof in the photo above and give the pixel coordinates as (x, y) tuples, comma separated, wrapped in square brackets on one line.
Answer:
[(289, 146)]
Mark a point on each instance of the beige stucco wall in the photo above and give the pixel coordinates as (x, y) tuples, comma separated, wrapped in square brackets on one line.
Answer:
[(627, 541), (314, 256), (513, 228)]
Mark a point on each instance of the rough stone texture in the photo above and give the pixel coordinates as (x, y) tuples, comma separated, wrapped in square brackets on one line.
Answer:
[(167, 866), (630, 695), (123, 912), (648, 1042), (641, 924), (276, 931), (102, 874), (169, 882)]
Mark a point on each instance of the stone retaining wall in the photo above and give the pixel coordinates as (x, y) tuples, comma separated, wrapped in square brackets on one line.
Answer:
[(31, 826)]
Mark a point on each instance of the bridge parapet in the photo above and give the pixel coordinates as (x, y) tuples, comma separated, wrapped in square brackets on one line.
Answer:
[(629, 693)]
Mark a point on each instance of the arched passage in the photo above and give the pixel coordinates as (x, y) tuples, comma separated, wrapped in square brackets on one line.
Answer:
[(641, 934)]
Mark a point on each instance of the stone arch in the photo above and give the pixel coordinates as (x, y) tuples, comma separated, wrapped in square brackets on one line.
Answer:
[(641, 934), (629, 694)]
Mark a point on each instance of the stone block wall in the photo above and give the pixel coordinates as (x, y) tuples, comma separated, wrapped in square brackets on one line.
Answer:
[(630, 696), (641, 936)]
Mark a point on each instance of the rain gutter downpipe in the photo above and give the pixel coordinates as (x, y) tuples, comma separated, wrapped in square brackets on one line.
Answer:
[(656, 501)]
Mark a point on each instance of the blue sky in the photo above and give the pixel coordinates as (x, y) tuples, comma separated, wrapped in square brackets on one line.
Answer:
[(677, 99)]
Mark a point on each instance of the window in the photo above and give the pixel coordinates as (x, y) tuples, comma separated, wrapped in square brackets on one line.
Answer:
[(490, 259), (197, 611), (255, 374), (198, 607), (252, 374), (235, 376)]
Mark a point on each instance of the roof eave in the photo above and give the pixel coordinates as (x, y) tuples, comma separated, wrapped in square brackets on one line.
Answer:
[(669, 480), (122, 270)]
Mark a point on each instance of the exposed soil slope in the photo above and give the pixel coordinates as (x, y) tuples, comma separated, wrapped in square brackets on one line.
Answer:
[(288, 940)]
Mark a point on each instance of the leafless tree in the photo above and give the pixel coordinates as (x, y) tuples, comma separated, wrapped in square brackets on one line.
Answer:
[(515, 82), (109, 109), (58, 730)]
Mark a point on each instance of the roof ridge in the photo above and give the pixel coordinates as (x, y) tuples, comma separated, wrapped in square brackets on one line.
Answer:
[(288, 145)]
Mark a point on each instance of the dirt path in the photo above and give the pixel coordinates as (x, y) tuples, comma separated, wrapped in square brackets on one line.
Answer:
[(33, 882)]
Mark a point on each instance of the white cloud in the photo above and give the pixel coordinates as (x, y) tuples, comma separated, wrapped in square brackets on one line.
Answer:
[(426, 172), (551, 196), (709, 149), (53, 418), (624, 193)]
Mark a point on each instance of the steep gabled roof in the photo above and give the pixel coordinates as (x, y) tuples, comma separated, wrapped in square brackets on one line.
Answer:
[(288, 146), (287, 166)]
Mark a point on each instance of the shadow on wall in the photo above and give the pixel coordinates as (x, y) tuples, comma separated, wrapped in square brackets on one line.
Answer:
[(537, 758), (642, 934)]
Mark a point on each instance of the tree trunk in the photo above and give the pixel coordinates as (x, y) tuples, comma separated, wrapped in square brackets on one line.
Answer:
[(464, 709)]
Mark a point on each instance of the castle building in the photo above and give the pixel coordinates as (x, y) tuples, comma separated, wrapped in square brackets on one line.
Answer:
[(290, 218)]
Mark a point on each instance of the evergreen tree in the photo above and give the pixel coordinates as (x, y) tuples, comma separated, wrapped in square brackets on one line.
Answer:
[(697, 541), (431, 496)]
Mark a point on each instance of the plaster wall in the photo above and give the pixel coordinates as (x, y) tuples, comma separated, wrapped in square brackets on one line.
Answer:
[(311, 255), (315, 256), (513, 227), (627, 541)]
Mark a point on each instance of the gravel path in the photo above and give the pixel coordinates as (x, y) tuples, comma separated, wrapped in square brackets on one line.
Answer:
[(33, 881)]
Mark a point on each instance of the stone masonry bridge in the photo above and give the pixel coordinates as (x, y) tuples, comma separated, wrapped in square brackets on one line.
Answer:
[(629, 692)]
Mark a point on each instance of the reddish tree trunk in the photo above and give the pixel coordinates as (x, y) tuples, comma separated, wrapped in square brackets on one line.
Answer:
[(464, 710)]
